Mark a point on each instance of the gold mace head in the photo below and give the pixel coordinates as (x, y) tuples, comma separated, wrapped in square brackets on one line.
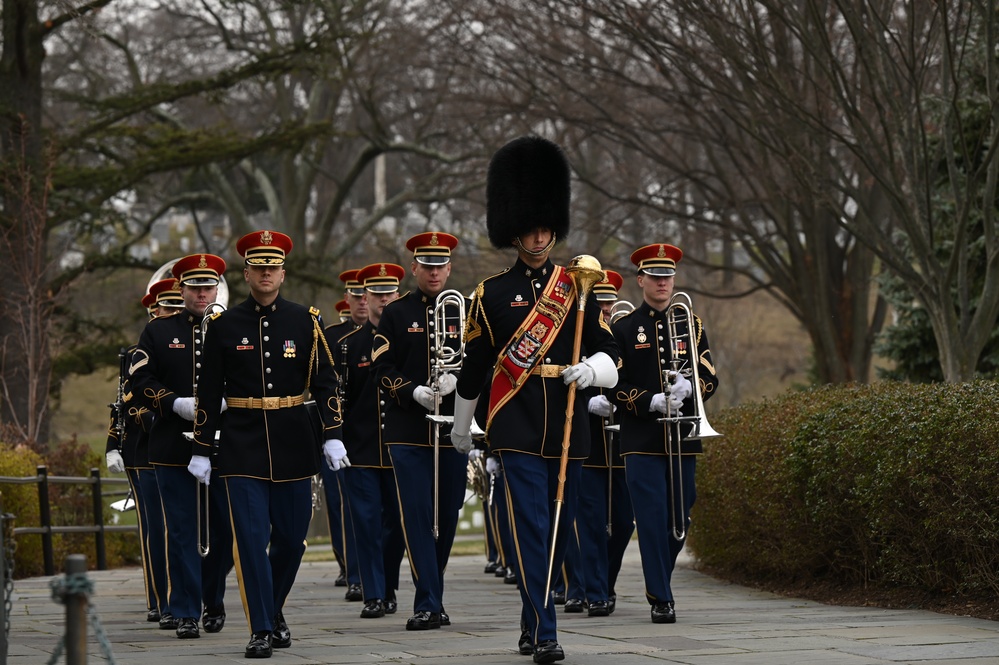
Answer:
[(585, 271)]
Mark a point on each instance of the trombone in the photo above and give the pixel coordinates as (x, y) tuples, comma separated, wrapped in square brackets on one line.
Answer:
[(204, 545), (679, 320), (447, 320)]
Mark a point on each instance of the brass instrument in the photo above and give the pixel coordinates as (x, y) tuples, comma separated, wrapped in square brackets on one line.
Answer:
[(447, 322), (679, 312), (584, 271), (205, 545), (619, 309)]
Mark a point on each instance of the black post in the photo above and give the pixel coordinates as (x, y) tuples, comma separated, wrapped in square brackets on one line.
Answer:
[(98, 499), (46, 518), (76, 614)]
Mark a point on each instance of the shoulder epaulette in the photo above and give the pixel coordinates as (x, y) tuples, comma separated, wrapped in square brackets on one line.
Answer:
[(216, 314), (314, 311)]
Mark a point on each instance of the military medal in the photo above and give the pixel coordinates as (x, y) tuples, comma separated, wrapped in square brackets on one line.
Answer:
[(289, 348)]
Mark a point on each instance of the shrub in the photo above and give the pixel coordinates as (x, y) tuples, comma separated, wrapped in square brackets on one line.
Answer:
[(890, 484), (70, 505)]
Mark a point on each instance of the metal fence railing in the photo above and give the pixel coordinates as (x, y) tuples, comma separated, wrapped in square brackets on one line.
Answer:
[(46, 529)]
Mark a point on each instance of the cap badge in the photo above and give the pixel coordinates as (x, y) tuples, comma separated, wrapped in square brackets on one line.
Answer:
[(433, 239), (202, 263), (266, 238), (382, 271), (662, 252)]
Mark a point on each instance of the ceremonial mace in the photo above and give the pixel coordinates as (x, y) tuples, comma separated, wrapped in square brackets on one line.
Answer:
[(584, 271)]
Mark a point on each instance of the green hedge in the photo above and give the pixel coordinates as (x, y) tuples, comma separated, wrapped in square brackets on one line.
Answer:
[(890, 484), (70, 505)]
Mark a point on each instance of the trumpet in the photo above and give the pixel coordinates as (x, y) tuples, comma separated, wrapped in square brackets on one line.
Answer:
[(447, 321), (680, 318)]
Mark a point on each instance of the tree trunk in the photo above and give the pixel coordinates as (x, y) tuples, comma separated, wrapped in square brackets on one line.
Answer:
[(24, 313)]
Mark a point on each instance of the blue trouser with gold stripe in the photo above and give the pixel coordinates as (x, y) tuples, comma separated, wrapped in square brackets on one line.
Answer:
[(338, 520), (599, 554), (531, 486), (655, 515), (270, 521), (414, 479), (178, 495), (146, 494), (374, 513), (218, 562)]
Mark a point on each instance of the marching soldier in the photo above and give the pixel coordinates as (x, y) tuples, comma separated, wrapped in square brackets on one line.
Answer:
[(526, 317), (407, 345), (342, 308), (604, 518), (659, 457), (342, 539), (264, 354), (164, 371), (371, 500), (128, 451)]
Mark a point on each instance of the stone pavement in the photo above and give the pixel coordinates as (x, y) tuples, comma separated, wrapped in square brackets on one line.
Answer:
[(718, 624)]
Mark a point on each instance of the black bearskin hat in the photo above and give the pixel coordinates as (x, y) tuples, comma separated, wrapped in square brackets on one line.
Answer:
[(527, 188)]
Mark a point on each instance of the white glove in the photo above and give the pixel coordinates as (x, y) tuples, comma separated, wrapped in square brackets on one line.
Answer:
[(115, 463), (680, 388), (184, 407), (674, 404), (659, 403), (424, 397), (492, 466), (599, 405), (461, 437), (335, 454), (581, 373), (201, 468), (447, 383), (474, 454)]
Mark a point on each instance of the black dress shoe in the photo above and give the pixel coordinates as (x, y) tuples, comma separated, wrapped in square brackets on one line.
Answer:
[(663, 613), (525, 646), (445, 619), (611, 603), (341, 579), (153, 615), (281, 637), (424, 621), (558, 597), (213, 619), (354, 593), (187, 629), (373, 609), (500, 571), (548, 651), (509, 577), (168, 622), (391, 606), (574, 606), (598, 608), (259, 645), (491, 568)]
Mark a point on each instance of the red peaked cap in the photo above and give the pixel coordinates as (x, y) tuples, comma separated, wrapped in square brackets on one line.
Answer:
[(381, 277), (264, 248)]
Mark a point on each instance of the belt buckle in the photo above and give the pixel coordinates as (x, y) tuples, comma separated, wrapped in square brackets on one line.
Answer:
[(270, 403)]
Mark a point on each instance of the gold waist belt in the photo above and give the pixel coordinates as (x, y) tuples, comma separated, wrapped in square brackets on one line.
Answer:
[(548, 371), (265, 403)]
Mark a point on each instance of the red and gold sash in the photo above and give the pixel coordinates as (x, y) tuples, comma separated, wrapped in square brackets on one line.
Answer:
[(532, 340)]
